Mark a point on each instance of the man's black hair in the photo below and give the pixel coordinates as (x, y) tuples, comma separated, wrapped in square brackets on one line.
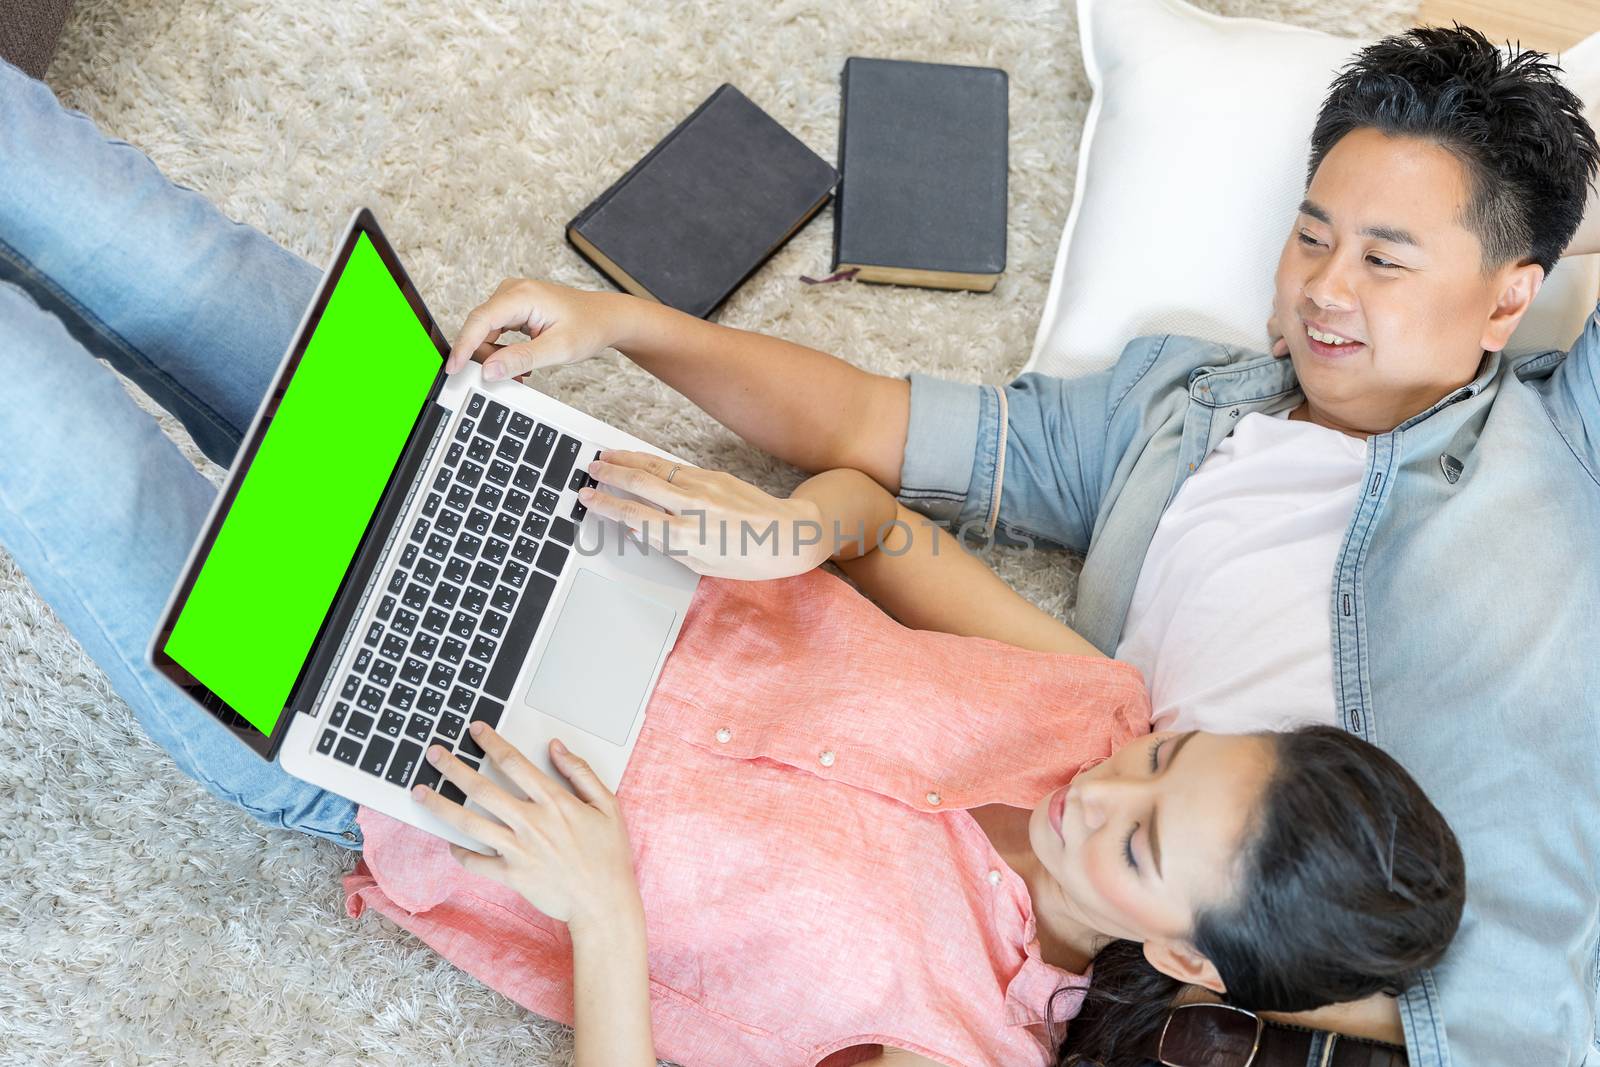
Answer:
[(1529, 152)]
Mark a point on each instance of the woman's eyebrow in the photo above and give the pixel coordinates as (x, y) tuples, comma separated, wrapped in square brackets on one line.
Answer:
[(1155, 842)]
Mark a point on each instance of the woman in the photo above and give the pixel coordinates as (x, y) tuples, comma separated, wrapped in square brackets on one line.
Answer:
[(808, 902)]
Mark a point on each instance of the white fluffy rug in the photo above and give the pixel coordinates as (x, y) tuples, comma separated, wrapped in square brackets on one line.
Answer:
[(143, 921)]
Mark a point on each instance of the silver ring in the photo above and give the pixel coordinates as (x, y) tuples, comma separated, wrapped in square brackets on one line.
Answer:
[(674, 472)]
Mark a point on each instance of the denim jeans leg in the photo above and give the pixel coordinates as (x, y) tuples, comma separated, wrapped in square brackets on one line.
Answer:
[(196, 309), (100, 510)]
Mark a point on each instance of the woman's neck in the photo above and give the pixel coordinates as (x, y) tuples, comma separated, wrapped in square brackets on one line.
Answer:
[(1065, 941)]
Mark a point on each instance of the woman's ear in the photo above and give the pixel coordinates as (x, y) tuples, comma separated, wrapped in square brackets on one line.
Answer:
[(1517, 290), (1178, 959)]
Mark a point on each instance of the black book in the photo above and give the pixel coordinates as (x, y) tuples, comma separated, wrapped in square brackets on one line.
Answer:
[(922, 199), (688, 223)]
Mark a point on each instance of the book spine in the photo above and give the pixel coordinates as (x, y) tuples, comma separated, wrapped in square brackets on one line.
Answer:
[(839, 197)]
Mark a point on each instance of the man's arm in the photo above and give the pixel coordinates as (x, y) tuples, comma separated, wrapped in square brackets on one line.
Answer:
[(806, 407)]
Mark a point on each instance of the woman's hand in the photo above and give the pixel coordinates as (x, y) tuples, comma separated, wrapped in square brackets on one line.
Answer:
[(567, 855), (709, 520), (563, 325)]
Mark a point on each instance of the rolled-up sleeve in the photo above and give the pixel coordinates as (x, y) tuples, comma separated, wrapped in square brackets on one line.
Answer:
[(948, 419)]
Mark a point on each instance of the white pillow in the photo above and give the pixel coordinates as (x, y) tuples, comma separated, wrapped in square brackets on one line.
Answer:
[(1190, 170)]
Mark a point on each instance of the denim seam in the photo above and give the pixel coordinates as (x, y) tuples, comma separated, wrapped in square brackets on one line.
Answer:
[(997, 482), (1116, 404), (103, 330)]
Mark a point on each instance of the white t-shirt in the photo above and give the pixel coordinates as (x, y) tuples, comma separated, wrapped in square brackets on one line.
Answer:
[(1231, 619)]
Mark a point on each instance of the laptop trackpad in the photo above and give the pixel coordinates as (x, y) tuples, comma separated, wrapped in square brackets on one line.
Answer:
[(595, 670)]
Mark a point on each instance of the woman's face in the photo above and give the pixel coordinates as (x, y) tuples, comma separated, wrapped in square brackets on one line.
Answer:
[(1148, 838)]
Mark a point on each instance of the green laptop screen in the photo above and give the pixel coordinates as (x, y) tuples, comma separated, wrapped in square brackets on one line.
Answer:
[(285, 544)]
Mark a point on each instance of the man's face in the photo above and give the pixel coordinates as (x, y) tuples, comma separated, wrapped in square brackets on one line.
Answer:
[(1378, 256)]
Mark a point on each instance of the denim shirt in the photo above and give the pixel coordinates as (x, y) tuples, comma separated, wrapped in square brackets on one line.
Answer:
[(1465, 621)]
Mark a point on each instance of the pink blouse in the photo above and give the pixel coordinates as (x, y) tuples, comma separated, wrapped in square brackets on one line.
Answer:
[(811, 880)]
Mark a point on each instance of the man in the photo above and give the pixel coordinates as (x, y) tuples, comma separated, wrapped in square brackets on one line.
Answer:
[(1458, 641), (1399, 539)]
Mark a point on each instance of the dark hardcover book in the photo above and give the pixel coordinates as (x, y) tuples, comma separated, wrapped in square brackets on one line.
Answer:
[(922, 196), (688, 223)]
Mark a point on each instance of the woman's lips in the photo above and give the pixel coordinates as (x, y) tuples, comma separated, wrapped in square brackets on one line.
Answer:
[(1058, 804)]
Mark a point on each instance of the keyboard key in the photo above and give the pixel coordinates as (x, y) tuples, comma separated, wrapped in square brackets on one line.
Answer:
[(404, 765), (489, 497), (438, 547), (478, 521), (499, 473), (424, 645), (427, 571), (488, 711), (472, 673), (467, 545), (441, 676), (445, 594), (408, 557), (515, 573), (447, 523), (452, 792), (371, 699), (540, 444), (460, 497), (394, 647), (475, 404), (405, 622), (505, 527), (579, 510), (386, 607), (519, 636), (452, 650), (360, 725), (482, 648), (520, 424), (463, 625), (494, 550), (457, 570), (509, 450), (561, 461), (469, 473), (464, 429), (419, 727), (348, 751), (397, 581), (374, 632), (563, 530), (413, 670), (494, 624), (341, 711), (378, 750), (579, 479), (391, 723), (420, 530), (450, 725), (363, 659), (461, 699), (546, 501), (381, 672), (480, 449), (430, 506), (352, 685), (516, 502), (484, 575), (402, 696), (325, 742), (504, 599), (452, 455), (416, 597), (535, 525), (494, 420), (474, 599), (469, 762), (427, 775), (526, 549), (431, 700), (441, 481), (436, 621), (526, 478)]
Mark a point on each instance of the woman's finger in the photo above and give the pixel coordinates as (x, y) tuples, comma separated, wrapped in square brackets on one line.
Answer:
[(522, 771), (491, 833), (648, 462), (585, 782), (493, 867), (490, 797), (631, 513), (675, 495), (507, 309)]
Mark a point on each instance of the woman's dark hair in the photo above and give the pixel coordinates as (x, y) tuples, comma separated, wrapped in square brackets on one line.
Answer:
[(1349, 884), (1528, 151)]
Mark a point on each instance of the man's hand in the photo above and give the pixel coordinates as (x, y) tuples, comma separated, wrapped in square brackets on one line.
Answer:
[(1275, 342), (710, 521), (563, 325)]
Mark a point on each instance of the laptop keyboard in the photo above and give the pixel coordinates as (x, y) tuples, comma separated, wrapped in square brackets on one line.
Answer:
[(464, 590)]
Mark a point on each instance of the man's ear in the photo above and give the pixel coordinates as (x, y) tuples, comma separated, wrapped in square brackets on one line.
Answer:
[(1518, 287), (1178, 959)]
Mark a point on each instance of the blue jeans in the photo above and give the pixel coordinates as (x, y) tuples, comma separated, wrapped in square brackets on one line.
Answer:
[(102, 258)]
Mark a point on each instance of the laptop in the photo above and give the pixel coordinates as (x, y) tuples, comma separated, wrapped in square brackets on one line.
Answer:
[(397, 553)]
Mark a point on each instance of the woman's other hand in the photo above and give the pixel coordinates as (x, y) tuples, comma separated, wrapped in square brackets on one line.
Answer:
[(567, 855), (711, 521), (563, 325)]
